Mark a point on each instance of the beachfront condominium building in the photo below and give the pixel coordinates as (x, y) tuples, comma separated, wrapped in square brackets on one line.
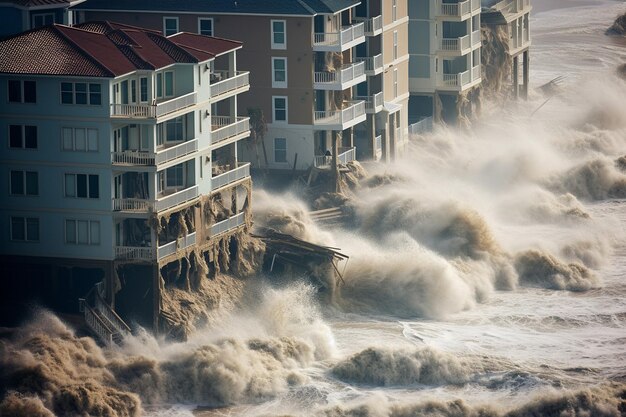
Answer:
[(20, 15), (510, 19), (326, 72), (120, 153), (445, 58)]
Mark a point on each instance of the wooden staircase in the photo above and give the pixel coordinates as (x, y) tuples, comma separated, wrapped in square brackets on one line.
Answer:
[(101, 318)]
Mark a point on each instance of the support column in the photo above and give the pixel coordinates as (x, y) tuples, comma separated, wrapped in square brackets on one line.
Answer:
[(335, 161), (156, 299), (371, 131), (436, 108), (526, 74), (516, 77)]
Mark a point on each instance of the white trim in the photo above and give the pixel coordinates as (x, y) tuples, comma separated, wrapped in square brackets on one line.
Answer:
[(165, 18), (278, 45), (286, 161), (279, 84), (286, 121), (200, 19)]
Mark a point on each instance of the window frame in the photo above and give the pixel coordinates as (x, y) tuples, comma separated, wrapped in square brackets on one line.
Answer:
[(88, 188), (286, 109), (24, 182), (22, 91), (24, 229), (23, 141), (90, 239), (165, 19), (395, 82), (277, 149), (275, 45), (208, 19), (161, 84), (87, 92), (74, 148), (394, 10), (275, 83), (40, 15), (395, 45)]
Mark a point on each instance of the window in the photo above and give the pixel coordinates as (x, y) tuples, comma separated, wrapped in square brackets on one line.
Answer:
[(22, 137), (81, 93), (395, 83), (22, 91), (24, 183), (82, 186), (170, 25), (279, 72), (82, 232), (174, 130), (395, 44), (25, 229), (79, 139), (143, 89), (279, 109), (165, 84), (279, 34), (280, 150), (42, 19), (205, 26), (174, 176), (394, 10)]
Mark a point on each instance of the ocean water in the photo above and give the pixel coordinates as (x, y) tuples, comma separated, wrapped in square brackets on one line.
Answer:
[(487, 277)]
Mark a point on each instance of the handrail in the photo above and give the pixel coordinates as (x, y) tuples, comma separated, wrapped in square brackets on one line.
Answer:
[(175, 104), (130, 157), (96, 324), (422, 126), (110, 314), (172, 247), (350, 112), (229, 177), (132, 204), (228, 224), (228, 127), (239, 80), (145, 253), (177, 198), (347, 34), (177, 151), (372, 63), (345, 74)]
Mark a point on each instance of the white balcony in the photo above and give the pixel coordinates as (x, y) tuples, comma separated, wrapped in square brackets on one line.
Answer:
[(352, 113), (512, 6), (131, 158), (423, 126), (348, 37), (226, 129), (179, 244), (345, 155), (460, 10), (136, 205), (476, 39), (373, 64), (228, 224), (373, 104), (224, 84), (151, 111), (373, 25), (220, 181), (347, 76), (135, 253), (461, 81), (173, 153), (455, 45), (173, 200)]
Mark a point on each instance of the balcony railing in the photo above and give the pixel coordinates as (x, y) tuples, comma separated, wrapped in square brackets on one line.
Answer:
[(373, 25), (476, 73), (345, 155), (373, 64), (347, 76), (175, 199), (457, 80), (179, 244), (229, 84), (132, 204), (455, 44), (339, 40), (135, 253), (476, 38), (348, 114), (229, 177), (228, 224), (226, 127), (512, 6), (458, 9), (421, 127), (132, 158), (373, 104), (175, 152), (144, 111)]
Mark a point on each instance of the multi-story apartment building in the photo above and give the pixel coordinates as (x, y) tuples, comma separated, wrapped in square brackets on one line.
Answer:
[(120, 155), (513, 18), (445, 63), (19, 15), (326, 71)]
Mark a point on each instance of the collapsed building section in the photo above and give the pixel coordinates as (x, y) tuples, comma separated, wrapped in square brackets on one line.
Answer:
[(506, 47)]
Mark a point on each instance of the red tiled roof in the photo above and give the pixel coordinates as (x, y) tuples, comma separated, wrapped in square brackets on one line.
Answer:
[(38, 3), (103, 49)]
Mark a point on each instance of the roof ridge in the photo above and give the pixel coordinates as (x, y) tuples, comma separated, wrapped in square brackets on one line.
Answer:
[(57, 29), (154, 37), (207, 36), (306, 6)]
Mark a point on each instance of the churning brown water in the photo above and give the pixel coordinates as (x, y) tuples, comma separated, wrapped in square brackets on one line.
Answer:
[(486, 278)]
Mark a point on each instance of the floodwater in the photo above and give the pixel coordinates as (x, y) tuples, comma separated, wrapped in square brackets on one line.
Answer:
[(487, 277)]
